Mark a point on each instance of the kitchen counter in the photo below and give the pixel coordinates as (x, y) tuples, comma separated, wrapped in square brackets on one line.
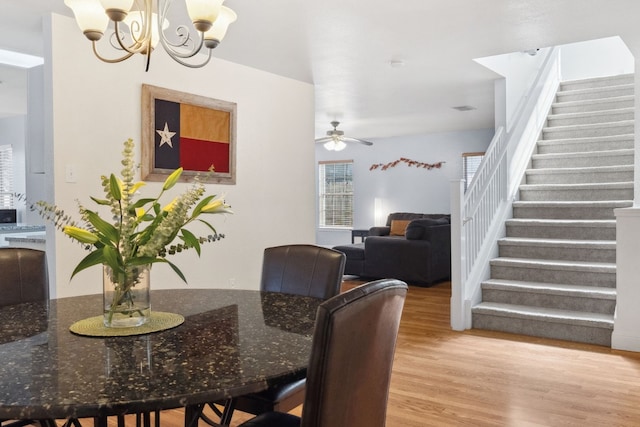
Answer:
[(20, 228)]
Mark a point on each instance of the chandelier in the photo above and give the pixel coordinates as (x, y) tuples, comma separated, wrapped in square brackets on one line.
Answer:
[(139, 29)]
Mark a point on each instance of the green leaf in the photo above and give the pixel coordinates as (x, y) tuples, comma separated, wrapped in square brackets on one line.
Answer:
[(208, 225), (100, 201), (111, 259), (176, 269), (114, 188), (140, 203), (144, 260), (191, 240), (204, 202), (106, 229), (94, 258)]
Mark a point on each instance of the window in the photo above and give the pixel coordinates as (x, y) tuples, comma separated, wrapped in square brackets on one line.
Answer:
[(336, 194), (470, 164), (6, 176)]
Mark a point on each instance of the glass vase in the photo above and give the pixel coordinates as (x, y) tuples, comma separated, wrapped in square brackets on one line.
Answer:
[(126, 296)]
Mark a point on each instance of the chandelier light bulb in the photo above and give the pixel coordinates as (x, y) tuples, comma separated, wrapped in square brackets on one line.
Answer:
[(90, 17), (218, 30), (116, 10), (203, 13), (340, 145)]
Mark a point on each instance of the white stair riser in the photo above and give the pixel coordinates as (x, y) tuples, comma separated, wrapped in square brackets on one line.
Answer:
[(567, 146), (597, 82), (564, 213), (561, 302), (579, 177), (537, 328), (582, 161), (592, 105), (590, 118), (576, 195), (597, 93), (586, 131), (564, 253), (545, 232), (551, 275)]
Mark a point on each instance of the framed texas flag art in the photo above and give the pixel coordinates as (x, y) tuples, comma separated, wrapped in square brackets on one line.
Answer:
[(189, 131)]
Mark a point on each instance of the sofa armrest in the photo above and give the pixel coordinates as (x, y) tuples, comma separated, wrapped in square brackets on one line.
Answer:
[(379, 231)]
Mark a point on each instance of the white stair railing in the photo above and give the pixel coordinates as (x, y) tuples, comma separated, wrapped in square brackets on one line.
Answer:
[(477, 216)]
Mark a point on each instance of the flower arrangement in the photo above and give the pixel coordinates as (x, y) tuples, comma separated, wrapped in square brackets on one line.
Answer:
[(142, 231)]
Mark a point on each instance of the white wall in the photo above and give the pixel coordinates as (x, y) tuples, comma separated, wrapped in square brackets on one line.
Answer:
[(96, 106), (402, 188), (596, 58)]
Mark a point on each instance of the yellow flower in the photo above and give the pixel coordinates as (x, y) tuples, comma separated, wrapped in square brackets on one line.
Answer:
[(217, 206), (137, 186), (172, 179), (169, 207), (80, 234), (139, 212)]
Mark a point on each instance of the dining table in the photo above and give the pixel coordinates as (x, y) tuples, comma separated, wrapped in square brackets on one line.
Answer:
[(231, 342)]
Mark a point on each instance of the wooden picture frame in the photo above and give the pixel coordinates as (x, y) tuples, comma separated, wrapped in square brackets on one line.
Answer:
[(190, 131)]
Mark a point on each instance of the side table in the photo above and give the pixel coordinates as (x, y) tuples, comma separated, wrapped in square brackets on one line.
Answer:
[(359, 233)]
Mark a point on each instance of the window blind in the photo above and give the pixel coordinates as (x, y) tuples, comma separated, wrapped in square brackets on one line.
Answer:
[(470, 164), (335, 194), (6, 176)]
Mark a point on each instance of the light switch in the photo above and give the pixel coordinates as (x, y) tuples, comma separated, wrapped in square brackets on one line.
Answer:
[(70, 173)]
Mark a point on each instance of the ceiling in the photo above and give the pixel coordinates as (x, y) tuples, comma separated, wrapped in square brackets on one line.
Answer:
[(345, 47)]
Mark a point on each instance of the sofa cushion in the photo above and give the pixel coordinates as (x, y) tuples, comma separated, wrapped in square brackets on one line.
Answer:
[(398, 227), (415, 229)]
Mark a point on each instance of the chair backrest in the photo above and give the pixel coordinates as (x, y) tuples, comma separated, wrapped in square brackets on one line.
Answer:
[(23, 276), (306, 270), (352, 356)]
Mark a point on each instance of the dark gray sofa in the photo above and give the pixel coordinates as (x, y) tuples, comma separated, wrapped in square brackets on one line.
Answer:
[(421, 256)]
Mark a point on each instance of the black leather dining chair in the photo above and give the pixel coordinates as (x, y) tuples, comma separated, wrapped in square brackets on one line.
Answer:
[(306, 270), (23, 276), (351, 359)]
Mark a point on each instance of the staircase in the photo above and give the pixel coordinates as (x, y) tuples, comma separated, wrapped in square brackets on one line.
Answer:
[(555, 276)]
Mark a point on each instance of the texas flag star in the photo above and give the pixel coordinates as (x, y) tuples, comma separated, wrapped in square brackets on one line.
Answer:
[(166, 136)]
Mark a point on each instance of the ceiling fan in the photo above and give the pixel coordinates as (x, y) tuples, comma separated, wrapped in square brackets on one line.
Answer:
[(336, 141)]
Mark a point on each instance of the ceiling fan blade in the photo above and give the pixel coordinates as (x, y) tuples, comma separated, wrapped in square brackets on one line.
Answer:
[(323, 140), (359, 141)]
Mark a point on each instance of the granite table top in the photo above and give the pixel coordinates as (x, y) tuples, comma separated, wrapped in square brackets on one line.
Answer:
[(232, 342)]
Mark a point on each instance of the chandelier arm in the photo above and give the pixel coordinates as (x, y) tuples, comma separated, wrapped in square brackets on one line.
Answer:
[(187, 64), (138, 46), (109, 60)]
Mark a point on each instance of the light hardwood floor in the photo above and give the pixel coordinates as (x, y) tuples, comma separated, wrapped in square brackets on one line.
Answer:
[(479, 378)]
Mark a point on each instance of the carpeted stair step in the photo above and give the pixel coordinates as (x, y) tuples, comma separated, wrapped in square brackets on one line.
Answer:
[(597, 82), (584, 159), (585, 118), (591, 105), (590, 130), (568, 95), (579, 273), (590, 191), (600, 174), (600, 209), (592, 328), (558, 249), (581, 145), (598, 229), (590, 299)]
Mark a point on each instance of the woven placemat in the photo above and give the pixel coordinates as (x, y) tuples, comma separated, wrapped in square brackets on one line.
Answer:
[(158, 321)]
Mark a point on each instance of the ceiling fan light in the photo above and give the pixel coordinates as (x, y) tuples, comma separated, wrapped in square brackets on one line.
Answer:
[(340, 145), (330, 146)]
